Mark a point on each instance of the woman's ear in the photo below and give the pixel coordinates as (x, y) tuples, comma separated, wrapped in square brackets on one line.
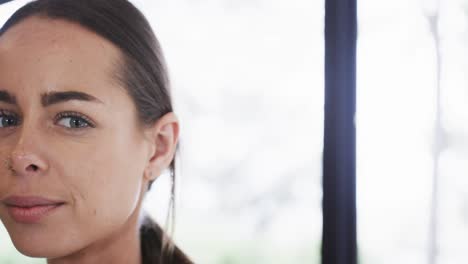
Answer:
[(163, 137)]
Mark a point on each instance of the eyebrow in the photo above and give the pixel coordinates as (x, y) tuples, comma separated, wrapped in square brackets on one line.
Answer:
[(51, 98), (6, 97)]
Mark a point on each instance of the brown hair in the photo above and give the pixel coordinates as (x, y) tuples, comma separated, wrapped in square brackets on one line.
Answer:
[(142, 73)]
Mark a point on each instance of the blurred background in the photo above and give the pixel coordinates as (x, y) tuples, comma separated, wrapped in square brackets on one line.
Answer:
[(248, 82)]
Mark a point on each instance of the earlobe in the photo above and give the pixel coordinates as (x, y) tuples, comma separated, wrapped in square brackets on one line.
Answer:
[(148, 175)]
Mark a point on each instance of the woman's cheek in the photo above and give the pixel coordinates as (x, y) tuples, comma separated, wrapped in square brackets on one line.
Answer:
[(104, 188), (106, 198)]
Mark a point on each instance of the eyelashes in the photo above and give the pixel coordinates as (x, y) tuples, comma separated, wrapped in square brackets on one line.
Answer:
[(69, 120), (82, 120)]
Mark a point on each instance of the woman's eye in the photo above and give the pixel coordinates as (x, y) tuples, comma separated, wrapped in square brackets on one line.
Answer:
[(73, 122), (7, 120)]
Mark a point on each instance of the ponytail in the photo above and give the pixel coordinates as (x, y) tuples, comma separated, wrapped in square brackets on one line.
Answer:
[(157, 247)]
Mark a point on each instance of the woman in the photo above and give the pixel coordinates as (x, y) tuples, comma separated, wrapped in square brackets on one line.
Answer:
[(86, 126)]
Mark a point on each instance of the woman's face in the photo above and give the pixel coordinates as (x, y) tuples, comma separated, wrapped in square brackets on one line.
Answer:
[(92, 162)]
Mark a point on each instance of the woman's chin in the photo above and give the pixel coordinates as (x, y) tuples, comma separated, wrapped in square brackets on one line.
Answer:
[(36, 248), (37, 251)]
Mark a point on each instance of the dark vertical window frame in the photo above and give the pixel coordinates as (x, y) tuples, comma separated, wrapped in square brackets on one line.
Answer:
[(339, 238)]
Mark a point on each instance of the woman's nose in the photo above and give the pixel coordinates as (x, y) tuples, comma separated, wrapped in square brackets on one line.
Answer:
[(25, 158), (23, 164)]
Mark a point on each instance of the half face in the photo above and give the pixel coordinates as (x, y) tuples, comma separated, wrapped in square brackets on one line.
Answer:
[(83, 149)]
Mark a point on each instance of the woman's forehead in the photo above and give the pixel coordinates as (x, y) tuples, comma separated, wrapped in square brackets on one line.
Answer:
[(50, 34), (49, 53)]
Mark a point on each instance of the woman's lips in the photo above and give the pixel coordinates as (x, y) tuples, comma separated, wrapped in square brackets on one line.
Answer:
[(30, 209), (30, 215)]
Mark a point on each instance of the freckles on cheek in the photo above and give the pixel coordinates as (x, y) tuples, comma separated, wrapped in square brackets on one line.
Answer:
[(6, 179), (4, 158)]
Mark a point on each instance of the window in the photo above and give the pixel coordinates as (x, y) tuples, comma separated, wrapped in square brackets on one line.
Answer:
[(405, 216)]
